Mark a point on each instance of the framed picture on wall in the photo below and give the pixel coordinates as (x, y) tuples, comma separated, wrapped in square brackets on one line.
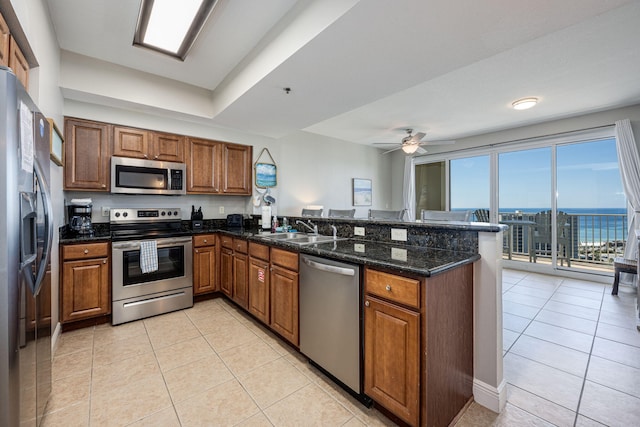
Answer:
[(56, 143), (361, 192)]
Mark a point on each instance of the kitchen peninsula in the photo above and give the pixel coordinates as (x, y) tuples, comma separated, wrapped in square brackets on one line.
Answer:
[(447, 279)]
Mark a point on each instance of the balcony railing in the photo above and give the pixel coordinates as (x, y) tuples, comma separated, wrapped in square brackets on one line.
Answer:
[(594, 240)]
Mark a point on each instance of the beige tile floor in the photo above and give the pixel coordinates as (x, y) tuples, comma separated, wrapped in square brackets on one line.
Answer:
[(572, 358)]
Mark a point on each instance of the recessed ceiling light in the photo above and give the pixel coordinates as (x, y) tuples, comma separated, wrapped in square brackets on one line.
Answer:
[(170, 26), (524, 103)]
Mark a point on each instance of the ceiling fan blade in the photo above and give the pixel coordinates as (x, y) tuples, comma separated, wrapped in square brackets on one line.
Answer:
[(390, 144), (417, 137), (393, 149), (421, 150), (441, 142)]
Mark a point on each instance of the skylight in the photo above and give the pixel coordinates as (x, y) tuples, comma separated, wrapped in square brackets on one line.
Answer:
[(171, 26)]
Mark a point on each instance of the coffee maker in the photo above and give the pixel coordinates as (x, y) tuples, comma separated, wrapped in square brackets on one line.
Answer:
[(79, 217)]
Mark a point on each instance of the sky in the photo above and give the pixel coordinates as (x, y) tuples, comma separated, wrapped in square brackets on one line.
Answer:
[(587, 176)]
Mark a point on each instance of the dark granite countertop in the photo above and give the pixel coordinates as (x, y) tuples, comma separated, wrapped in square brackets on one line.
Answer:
[(417, 260)]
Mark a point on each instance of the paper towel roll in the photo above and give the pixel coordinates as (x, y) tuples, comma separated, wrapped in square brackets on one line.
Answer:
[(266, 217)]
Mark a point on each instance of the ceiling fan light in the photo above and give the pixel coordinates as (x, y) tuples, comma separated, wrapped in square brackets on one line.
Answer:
[(524, 103), (410, 148)]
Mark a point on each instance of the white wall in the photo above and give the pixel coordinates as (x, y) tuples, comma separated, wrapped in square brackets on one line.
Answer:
[(43, 88), (311, 169)]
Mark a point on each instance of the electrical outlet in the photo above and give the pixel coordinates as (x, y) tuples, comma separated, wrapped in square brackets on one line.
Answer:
[(399, 234), (221, 209), (358, 231), (399, 254), (105, 211)]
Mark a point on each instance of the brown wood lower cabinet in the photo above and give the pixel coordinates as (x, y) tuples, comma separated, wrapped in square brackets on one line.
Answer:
[(226, 271), (259, 283), (284, 294), (85, 282), (240, 279), (205, 264), (392, 358), (418, 341)]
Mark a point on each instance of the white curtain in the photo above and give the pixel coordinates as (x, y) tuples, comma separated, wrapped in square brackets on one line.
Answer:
[(409, 189), (630, 171)]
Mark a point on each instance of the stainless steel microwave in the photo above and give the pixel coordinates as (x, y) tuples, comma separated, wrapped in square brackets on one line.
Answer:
[(139, 176)]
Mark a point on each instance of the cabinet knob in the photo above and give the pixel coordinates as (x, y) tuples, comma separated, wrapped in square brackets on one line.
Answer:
[(145, 156), (205, 240), (155, 157), (104, 261), (367, 304), (388, 287), (197, 251), (86, 251), (104, 185)]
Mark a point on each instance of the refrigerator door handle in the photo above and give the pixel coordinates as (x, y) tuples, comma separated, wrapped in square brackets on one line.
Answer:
[(48, 223)]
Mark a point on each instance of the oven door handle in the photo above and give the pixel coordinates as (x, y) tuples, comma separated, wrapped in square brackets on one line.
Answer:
[(161, 243)]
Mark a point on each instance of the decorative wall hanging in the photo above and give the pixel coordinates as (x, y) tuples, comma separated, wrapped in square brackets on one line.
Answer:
[(361, 192), (56, 144), (265, 172)]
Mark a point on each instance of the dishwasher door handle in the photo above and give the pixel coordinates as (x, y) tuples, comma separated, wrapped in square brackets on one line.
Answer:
[(330, 268)]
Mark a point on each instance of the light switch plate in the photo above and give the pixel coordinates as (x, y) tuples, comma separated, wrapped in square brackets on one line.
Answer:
[(358, 231), (399, 254), (105, 211), (358, 247), (221, 209), (399, 234)]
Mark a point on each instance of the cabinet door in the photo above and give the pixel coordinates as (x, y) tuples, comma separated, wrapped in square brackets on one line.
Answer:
[(392, 358), (284, 303), (203, 166), (226, 271), (236, 167), (85, 289), (167, 147), (18, 63), (130, 142), (204, 270), (240, 279), (259, 289), (4, 42), (86, 152)]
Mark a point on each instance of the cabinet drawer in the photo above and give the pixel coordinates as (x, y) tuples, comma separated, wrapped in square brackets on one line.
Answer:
[(240, 246), (204, 240), (284, 259), (257, 250), (394, 288), (85, 251), (226, 242)]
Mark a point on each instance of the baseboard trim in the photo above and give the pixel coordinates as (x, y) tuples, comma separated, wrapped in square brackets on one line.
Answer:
[(490, 397)]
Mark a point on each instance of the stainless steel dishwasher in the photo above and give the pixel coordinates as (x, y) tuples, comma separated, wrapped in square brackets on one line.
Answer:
[(330, 318)]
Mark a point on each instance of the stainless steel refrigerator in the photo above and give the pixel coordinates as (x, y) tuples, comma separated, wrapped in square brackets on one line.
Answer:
[(26, 231)]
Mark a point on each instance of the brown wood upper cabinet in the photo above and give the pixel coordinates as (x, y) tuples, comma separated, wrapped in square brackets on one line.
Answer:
[(215, 167), (4, 42), (143, 144), (87, 152), (236, 169), (18, 63)]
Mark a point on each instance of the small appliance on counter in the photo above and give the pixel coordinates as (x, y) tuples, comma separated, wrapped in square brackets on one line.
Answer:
[(235, 221), (196, 218), (79, 216)]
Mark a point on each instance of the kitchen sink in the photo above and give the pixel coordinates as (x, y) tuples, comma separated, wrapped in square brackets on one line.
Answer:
[(298, 238)]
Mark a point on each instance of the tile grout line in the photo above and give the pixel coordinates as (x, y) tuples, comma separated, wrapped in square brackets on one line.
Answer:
[(586, 371)]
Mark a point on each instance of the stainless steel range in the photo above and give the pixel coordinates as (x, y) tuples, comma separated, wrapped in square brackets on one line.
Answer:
[(152, 269)]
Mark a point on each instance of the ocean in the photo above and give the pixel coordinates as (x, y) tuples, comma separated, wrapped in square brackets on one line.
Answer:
[(593, 226)]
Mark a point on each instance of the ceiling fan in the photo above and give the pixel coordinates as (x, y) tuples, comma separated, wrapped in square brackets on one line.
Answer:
[(411, 144)]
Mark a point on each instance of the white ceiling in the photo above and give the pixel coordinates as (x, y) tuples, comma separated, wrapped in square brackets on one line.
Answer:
[(362, 70)]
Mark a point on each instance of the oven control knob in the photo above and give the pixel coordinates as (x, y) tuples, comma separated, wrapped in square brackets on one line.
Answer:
[(175, 213), (117, 214), (163, 213), (169, 213), (125, 214)]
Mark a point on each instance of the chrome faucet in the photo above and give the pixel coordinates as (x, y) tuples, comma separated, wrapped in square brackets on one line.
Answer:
[(311, 226), (335, 232)]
